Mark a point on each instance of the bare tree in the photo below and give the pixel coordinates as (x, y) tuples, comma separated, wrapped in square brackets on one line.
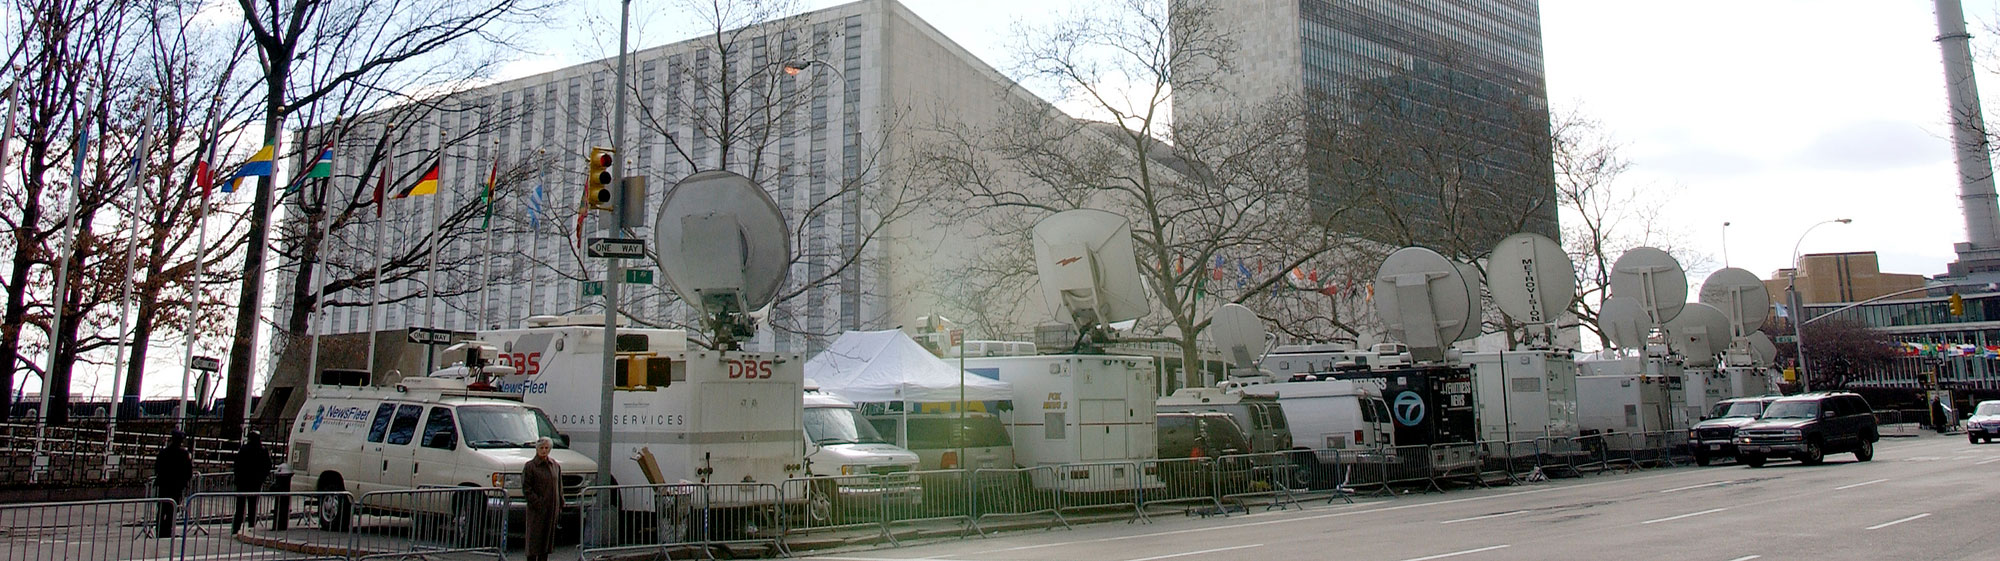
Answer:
[(1219, 187), (313, 49), (1839, 350)]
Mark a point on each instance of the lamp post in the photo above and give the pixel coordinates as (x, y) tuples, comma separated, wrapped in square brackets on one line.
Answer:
[(1798, 309)]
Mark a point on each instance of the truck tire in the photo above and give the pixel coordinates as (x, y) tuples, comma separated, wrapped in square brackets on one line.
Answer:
[(336, 513), (1815, 454), (1751, 460), (1701, 459), (1866, 451)]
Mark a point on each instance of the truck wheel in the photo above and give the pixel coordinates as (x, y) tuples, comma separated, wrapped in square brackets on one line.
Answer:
[(1866, 451), (1972, 438), (1814, 454), (1701, 459), (468, 522), (336, 513), (1750, 460)]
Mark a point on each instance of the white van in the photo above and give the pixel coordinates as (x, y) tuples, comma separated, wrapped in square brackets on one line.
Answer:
[(1342, 415), (840, 443), (424, 432), (1080, 409)]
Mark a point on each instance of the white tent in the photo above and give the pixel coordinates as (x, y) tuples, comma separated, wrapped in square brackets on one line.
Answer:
[(887, 366)]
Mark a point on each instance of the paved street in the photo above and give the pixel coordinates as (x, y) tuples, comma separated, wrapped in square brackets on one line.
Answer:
[(1925, 498)]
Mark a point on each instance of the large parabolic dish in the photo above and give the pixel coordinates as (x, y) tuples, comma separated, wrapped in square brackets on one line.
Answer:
[(722, 243), (1652, 278), (1085, 262), (1425, 301)]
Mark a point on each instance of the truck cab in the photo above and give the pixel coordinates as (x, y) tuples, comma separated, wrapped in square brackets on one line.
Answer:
[(862, 467)]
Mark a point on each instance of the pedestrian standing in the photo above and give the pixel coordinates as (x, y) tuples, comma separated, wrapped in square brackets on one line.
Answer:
[(541, 485), (253, 465), (171, 471)]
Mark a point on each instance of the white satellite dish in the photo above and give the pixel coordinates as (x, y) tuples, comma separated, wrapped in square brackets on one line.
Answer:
[(1469, 273), (1699, 334), (1425, 302), (1089, 276), (724, 247), (1652, 278), (1239, 334), (1741, 297), (1762, 350), (1532, 279), (1624, 323)]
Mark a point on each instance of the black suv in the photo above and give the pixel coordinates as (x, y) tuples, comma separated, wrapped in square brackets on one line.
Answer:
[(1808, 427), (1715, 435)]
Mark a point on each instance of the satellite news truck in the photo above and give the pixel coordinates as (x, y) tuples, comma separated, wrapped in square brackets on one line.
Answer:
[(678, 415), (1072, 409)]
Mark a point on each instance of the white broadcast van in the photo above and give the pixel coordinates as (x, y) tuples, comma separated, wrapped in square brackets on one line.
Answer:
[(423, 432), (678, 415), (1333, 415), (839, 442), (1079, 409)]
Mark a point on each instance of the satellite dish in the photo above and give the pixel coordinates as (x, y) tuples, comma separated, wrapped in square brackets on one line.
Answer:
[(1532, 279), (1653, 279), (1741, 297), (1425, 301), (724, 247), (1469, 273), (1762, 351), (1088, 273), (1699, 334), (1624, 323), (1239, 333)]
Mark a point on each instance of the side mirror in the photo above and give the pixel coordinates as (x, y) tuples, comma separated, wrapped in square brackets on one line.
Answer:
[(562, 440), (1826, 414)]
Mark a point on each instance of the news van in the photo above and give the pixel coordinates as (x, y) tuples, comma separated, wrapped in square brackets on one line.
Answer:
[(422, 432), (1076, 409)]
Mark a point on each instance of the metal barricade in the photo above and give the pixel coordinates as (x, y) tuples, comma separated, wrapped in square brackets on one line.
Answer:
[(944, 496), (1453, 461), (1558, 456), (1239, 478), (1515, 461), (662, 518), (468, 520), (1102, 487), (1406, 465), (1675, 445), (265, 526), (86, 530), (1013, 493), (847, 502), (1184, 481)]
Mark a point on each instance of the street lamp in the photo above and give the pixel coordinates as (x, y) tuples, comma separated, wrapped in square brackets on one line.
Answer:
[(1798, 309)]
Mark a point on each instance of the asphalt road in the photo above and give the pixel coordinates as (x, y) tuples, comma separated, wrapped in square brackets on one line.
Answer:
[(1930, 498)]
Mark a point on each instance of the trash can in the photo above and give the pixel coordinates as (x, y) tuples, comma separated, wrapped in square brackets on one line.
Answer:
[(281, 508)]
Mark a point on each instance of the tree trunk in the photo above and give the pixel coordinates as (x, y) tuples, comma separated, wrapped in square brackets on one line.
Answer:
[(243, 345)]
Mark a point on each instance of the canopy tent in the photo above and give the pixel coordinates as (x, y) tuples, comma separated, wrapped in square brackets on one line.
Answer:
[(887, 366)]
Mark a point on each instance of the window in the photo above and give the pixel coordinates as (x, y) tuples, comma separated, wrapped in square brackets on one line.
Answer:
[(1055, 426), (440, 423), (406, 424), (381, 422)]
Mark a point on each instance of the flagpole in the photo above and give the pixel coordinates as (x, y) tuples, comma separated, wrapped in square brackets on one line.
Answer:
[(125, 294), (535, 216), (486, 227), (322, 226), (60, 301), (375, 286), (200, 263), (430, 269)]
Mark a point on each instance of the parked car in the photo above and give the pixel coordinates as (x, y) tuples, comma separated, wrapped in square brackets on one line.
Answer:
[(1808, 427), (1984, 423), (1196, 435), (1715, 435)]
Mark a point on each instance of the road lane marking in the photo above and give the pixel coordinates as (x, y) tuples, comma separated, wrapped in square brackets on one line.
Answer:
[(868, 558), (1456, 553), (1338, 514), (1984, 462), (1746, 558), (1895, 522), (1846, 487), (1688, 515), (1718, 483), (1508, 513), (1197, 552)]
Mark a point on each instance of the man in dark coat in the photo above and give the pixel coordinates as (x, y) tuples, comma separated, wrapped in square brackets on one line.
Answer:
[(253, 465), (171, 471), (541, 485)]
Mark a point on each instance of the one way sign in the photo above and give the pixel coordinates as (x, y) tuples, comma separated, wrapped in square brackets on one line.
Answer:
[(616, 248)]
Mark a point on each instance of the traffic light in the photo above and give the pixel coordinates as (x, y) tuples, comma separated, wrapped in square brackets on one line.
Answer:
[(1957, 305), (598, 183)]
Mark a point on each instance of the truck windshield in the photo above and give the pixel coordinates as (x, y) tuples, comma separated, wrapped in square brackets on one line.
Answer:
[(1738, 409), (502, 426), (1792, 410), (1988, 408), (839, 425)]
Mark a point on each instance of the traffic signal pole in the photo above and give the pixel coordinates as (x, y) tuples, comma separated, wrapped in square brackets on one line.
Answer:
[(613, 272)]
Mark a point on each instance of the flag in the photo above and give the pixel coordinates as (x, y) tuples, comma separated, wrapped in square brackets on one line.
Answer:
[(491, 178), (381, 184), (321, 167), (1245, 269), (535, 200), (1299, 278), (143, 150), (258, 166), (1782, 311), (1216, 273), (426, 185)]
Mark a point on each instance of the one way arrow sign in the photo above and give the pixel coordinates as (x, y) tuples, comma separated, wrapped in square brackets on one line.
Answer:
[(616, 248)]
